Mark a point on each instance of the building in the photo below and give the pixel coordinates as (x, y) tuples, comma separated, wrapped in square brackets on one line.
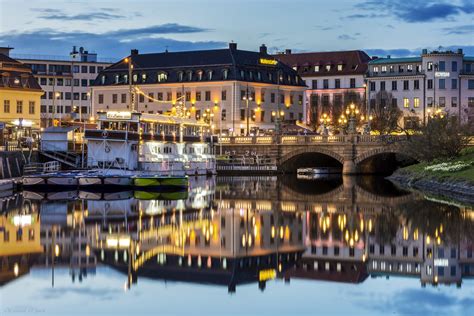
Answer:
[(20, 97), (66, 82), (421, 85), (334, 80), (230, 88)]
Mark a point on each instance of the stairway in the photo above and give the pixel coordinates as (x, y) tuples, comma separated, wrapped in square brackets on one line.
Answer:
[(68, 158)]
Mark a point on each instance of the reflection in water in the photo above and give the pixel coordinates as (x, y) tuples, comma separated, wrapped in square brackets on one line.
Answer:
[(237, 230)]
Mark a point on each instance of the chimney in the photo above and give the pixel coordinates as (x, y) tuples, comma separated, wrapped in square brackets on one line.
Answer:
[(263, 49), (459, 50), (134, 52), (388, 56), (287, 51), (233, 46), (5, 51), (74, 50), (424, 51)]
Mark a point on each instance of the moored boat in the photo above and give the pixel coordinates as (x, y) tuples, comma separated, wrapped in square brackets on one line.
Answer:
[(161, 182)]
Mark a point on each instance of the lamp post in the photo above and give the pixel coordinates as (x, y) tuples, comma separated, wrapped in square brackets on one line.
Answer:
[(367, 127), (352, 111), (247, 98), (129, 61), (325, 120)]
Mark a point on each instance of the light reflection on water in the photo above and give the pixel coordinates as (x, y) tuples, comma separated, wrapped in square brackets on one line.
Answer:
[(237, 245)]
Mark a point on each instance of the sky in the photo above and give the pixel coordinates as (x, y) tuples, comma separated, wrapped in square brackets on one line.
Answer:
[(112, 28)]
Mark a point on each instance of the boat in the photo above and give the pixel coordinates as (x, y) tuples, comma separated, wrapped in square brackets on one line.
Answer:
[(161, 182), (34, 180), (158, 144), (146, 195)]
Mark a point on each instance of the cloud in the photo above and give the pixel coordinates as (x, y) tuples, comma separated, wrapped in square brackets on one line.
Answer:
[(347, 37), (114, 44), (419, 11), (366, 16), (56, 14), (405, 52), (459, 30)]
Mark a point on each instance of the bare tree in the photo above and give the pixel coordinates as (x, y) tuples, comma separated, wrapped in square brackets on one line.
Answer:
[(386, 115)]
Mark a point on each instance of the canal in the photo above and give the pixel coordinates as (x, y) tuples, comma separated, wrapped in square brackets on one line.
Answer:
[(238, 245)]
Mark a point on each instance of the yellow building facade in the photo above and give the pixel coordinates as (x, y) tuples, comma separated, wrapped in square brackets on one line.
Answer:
[(20, 96)]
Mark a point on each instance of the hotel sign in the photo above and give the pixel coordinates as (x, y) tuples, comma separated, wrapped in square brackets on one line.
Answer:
[(119, 115), (441, 262), (442, 74), (268, 62)]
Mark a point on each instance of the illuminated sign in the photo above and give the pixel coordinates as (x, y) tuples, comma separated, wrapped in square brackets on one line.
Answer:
[(119, 115), (265, 275), (442, 74), (268, 62), (22, 220), (441, 262)]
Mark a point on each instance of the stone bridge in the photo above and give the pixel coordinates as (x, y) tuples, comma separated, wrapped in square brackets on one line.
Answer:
[(281, 153)]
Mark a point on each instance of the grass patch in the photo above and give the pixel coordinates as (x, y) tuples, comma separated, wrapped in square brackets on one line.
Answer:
[(466, 174)]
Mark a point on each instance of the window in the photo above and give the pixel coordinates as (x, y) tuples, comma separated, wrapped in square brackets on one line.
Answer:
[(400, 68), (84, 69), (454, 102), (352, 83), (384, 69), (223, 116), (92, 69), (31, 107), (339, 67), (316, 68), (470, 102), (60, 82), (143, 78), (50, 81), (208, 95), (198, 96), (391, 69), (337, 83), (123, 98), (100, 68), (325, 84), (394, 85), (225, 74), (224, 95), (470, 84), (406, 102), (262, 96), (19, 107), (75, 69), (162, 77), (76, 82), (454, 83), (375, 69), (372, 86), (416, 84), (409, 68), (180, 76), (114, 98), (382, 85), (190, 75), (159, 96), (43, 81), (430, 84), (442, 83), (442, 101), (314, 84), (242, 94), (188, 96), (6, 106), (76, 95), (429, 66), (209, 75), (430, 101), (416, 102), (442, 66), (406, 84), (328, 67), (242, 114), (272, 98), (101, 99), (454, 66)]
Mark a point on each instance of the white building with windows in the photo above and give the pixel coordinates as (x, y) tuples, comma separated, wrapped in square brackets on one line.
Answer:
[(421, 85), (67, 83)]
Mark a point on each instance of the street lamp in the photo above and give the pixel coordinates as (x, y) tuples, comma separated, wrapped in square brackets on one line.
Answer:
[(247, 98), (325, 120), (352, 111), (367, 127)]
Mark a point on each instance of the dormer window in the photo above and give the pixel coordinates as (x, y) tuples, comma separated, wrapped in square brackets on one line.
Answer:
[(270, 76), (339, 67), (135, 78), (180, 76), (117, 79), (328, 67), (143, 78), (225, 74), (376, 69), (102, 80), (199, 75), (162, 77), (250, 75), (259, 76), (190, 75), (295, 68), (242, 74), (125, 78), (384, 69), (209, 75), (316, 68)]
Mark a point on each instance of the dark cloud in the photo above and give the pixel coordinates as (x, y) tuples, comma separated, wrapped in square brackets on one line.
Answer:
[(366, 16), (347, 37), (419, 11), (460, 29), (56, 14), (114, 44)]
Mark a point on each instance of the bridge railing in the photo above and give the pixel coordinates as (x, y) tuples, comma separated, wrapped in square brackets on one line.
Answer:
[(309, 139)]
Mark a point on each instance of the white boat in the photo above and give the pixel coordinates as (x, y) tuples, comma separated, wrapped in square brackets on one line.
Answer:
[(156, 144), (34, 180), (62, 180)]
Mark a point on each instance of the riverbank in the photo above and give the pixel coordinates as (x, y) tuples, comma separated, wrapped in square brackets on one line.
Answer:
[(453, 179)]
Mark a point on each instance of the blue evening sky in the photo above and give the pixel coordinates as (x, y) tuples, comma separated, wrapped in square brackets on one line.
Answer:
[(112, 28)]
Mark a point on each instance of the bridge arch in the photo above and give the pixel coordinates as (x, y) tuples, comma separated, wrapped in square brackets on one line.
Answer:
[(293, 154), (370, 162)]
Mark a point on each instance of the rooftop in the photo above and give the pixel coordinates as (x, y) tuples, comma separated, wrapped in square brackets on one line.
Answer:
[(390, 60)]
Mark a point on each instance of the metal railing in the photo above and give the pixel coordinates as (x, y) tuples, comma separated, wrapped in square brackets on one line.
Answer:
[(50, 166)]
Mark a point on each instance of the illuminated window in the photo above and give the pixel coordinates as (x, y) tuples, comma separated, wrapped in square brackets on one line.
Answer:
[(143, 77), (416, 102), (328, 67), (339, 67), (406, 102), (384, 69), (162, 77), (225, 74), (316, 68), (376, 69)]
